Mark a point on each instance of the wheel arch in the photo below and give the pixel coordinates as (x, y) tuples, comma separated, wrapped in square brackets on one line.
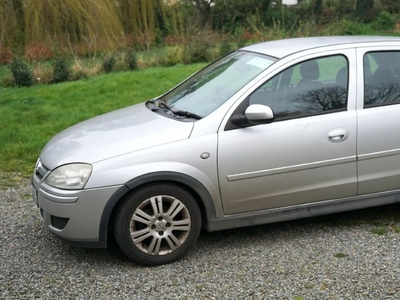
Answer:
[(197, 189)]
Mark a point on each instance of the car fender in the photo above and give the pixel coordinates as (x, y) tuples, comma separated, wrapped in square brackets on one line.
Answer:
[(198, 188)]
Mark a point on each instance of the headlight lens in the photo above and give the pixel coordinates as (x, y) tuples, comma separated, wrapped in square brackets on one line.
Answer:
[(70, 177)]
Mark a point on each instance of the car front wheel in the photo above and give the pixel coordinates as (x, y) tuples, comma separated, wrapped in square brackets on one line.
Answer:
[(157, 224)]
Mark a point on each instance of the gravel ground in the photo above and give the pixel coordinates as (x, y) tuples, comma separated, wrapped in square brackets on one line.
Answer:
[(335, 257)]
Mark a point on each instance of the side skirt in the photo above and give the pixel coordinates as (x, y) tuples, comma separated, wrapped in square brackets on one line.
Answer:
[(303, 211)]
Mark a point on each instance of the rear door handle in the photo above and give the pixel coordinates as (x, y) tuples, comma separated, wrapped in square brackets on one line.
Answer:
[(338, 135)]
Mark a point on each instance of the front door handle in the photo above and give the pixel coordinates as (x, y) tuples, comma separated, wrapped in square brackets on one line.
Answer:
[(338, 135)]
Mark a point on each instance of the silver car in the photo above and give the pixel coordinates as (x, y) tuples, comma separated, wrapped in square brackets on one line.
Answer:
[(271, 132)]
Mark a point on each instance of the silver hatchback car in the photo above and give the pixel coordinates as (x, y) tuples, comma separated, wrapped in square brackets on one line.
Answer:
[(274, 131)]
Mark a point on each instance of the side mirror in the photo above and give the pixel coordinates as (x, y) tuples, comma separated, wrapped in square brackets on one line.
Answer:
[(259, 114), (254, 114)]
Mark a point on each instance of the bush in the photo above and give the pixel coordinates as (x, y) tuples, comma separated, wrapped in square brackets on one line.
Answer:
[(38, 52), (212, 54), (131, 60), (60, 70), (21, 73), (79, 74), (355, 28), (225, 48), (42, 73), (120, 61), (385, 21), (345, 27), (83, 69), (8, 80), (6, 55), (196, 52), (174, 55), (109, 63)]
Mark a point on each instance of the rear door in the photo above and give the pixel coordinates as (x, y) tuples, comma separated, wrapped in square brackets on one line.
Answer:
[(378, 105)]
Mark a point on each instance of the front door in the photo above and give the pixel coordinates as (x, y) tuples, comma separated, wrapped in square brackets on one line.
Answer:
[(307, 154)]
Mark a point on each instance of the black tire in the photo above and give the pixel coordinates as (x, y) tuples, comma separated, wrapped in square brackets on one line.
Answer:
[(157, 224)]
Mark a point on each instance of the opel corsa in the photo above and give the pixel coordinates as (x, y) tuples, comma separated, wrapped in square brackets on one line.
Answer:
[(271, 132)]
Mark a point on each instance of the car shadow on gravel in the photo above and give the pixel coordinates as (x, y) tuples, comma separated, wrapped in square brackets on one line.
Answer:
[(386, 217), (378, 220)]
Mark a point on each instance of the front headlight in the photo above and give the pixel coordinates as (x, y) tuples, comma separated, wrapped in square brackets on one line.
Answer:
[(70, 177)]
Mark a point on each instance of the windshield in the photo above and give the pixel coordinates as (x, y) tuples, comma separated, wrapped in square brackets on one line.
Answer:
[(214, 85)]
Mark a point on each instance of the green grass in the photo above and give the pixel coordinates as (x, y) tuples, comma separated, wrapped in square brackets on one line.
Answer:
[(29, 117), (380, 230), (341, 255)]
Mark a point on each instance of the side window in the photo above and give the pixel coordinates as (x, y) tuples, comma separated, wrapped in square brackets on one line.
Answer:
[(381, 78), (312, 87)]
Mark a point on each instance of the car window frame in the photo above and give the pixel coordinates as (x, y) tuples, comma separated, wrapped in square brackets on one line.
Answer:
[(240, 109), (370, 74)]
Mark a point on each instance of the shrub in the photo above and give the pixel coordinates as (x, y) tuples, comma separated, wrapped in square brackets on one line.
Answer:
[(353, 28), (60, 70), (174, 55), (43, 72), (212, 54), (120, 61), (385, 21), (250, 36), (8, 80), (131, 60), (196, 52), (21, 73), (6, 55), (225, 48), (149, 60), (85, 69), (174, 40), (79, 74), (239, 36), (345, 27), (38, 52), (109, 63)]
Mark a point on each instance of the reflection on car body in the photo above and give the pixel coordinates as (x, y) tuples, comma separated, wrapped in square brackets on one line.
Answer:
[(271, 132)]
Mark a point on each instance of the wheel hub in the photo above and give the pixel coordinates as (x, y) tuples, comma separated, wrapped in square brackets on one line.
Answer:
[(160, 225)]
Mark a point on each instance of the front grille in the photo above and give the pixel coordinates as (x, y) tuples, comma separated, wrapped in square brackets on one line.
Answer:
[(40, 170), (58, 222)]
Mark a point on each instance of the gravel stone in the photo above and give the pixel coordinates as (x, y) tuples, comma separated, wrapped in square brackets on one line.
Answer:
[(333, 257)]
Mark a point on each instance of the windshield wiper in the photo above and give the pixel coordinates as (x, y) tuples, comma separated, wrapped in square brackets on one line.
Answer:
[(187, 114), (161, 104)]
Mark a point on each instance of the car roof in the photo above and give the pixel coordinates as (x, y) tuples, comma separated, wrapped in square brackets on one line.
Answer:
[(282, 48)]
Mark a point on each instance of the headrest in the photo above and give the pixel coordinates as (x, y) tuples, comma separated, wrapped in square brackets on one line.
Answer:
[(309, 70), (341, 77)]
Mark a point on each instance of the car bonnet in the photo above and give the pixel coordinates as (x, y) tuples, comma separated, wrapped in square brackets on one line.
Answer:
[(116, 133)]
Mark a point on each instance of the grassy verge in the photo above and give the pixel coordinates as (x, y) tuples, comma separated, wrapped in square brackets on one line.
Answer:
[(29, 117)]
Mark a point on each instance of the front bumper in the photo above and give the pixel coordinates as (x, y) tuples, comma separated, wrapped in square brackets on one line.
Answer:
[(73, 216)]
